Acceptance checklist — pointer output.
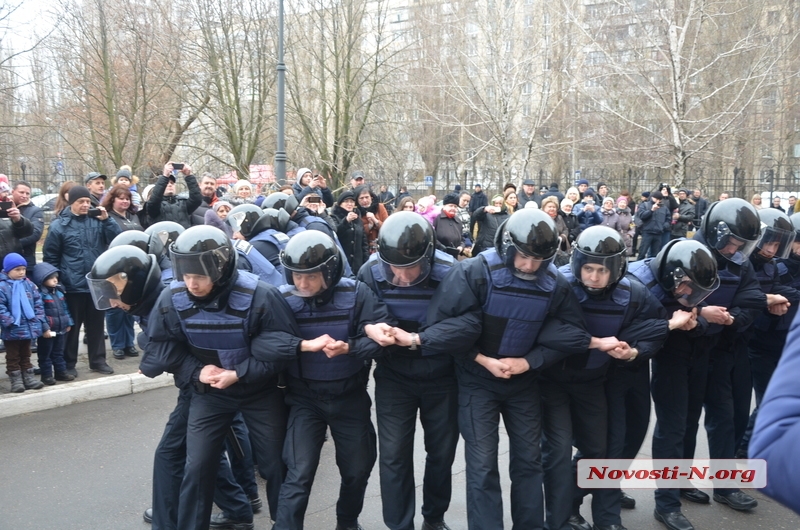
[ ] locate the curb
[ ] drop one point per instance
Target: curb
(81, 391)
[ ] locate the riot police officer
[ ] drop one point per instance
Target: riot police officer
(405, 273)
(327, 372)
(271, 233)
(210, 322)
(244, 219)
(504, 315)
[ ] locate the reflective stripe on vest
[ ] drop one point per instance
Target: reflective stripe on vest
(334, 318)
(514, 309)
(218, 337)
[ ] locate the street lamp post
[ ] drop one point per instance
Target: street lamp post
(280, 152)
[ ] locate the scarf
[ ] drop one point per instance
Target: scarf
(20, 304)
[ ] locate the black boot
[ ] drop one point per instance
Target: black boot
(16, 382)
(29, 380)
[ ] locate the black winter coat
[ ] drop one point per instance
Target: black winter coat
(352, 237)
(173, 208)
(11, 235)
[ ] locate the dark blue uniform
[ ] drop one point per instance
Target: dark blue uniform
(480, 307)
(329, 392)
(407, 381)
(223, 331)
(576, 410)
(270, 242)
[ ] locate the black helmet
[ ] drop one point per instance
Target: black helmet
(149, 243)
(777, 235)
(167, 231)
(291, 204)
(687, 269)
(406, 240)
(124, 274)
(731, 228)
(243, 218)
(272, 218)
(275, 200)
(206, 251)
(531, 232)
(599, 245)
(313, 251)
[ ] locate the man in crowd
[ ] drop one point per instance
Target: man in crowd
(528, 193)
(208, 190)
(21, 195)
(683, 216)
(164, 205)
(655, 221)
(96, 184)
(74, 242)
(403, 193)
(387, 198)
(14, 227)
(792, 202)
(724, 196)
(582, 185)
(478, 199)
(700, 206)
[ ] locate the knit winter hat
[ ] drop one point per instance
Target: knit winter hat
(450, 198)
(12, 261)
(78, 192)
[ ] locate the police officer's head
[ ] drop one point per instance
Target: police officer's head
(777, 235)
(731, 229)
(687, 269)
(405, 248)
(271, 219)
(243, 219)
(203, 257)
(312, 263)
(123, 277)
(795, 253)
(167, 231)
(275, 200)
(149, 243)
(527, 242)
(598, 259)
(291, 205)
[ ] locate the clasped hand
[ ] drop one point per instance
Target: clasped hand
(218, 377)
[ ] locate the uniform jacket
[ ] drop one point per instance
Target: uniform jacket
(26, 329)
(73, 244)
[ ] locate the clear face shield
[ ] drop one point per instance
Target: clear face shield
(236, 220)
(107, 293)
(731, 247)
(596, 273)
(687, 292)
(211, 263)
(522, 265)
(407, 275)
(775, 243)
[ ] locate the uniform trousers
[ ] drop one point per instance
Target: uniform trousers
(397, 399)
(344, 406)
(211, 414)
(481, 402)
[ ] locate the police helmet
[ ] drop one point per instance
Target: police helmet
(406, 241)
(777, 235)
(291, 204)
(124, 273)
(149, 243)
(313, 251)
(604, 246)
(206, 251)
(687, 269)
(272, 218)
(530, 232)
(275, 200)
(243, 219)
(167, 231)
(731, 228)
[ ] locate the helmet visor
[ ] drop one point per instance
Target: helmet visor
(236, 220)
(107, 293)
(730, 247)
(406, 275)
(211, 263)
(597, 272)
(687, 292)
(775, 243)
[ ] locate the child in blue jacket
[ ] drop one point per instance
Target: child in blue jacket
(22, 320)
(51, 346)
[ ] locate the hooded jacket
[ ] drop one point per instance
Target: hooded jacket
(351, 233)
(55, 304)
(301, 191)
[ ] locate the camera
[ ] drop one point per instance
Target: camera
(177, 167)
(314, 198)
(4, 207)
(94, 212)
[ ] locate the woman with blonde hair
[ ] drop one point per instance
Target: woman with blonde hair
(510, 200)
(756, 201)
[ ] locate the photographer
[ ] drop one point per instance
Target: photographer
(312, 183)
(656, 221)
(13, 226)
(164, 205)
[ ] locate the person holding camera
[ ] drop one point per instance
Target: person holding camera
(656, 220)
(308, 182)
(75, 240)
(13, 225)
(165, 205)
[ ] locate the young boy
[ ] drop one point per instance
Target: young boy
(51, 343)
(22, 320)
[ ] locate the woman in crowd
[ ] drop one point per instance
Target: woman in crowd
(626, 223)
(372, 213)
(350, 230)
(448, 229)
(406, 205)
(510, 199)
(243, 192)
(589, 214)
(756, 200)
(575, 196)
(610, 216)
(550, 207)
(570, 220)
(126, 177)
(463, 215)
(118, 201)
(63, 199)
(216, 215)
(487, 219)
